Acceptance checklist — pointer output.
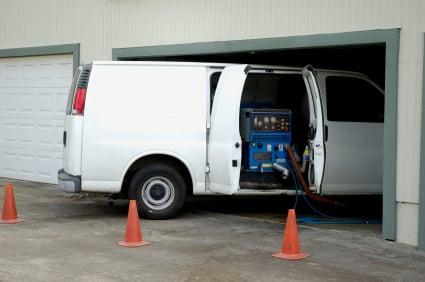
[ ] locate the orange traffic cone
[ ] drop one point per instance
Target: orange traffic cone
(133, 232)
(291, 243)
(9, 214)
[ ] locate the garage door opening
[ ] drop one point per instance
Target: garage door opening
(33, 93)
(361, 103)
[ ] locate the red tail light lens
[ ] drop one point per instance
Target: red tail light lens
(79, 101)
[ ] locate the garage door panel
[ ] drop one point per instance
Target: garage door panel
(10, 102)
(28, 102)
(47, 168)
(41, 71)
(27, 132)
(8, 162)
(49, 135)
(32, 165)
(64, 71)
(61, 97)
(9, 133)
(28, 70)
(26, 164)
(33, 95)
(45, 103)
(51, 102)
(22, 133)
(11, 73)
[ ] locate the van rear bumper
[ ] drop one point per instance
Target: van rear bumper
(69, 183)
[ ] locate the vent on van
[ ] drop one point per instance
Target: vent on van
(83, 80)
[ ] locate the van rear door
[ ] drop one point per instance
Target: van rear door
(73, 130)
(224, 141)
(317, 135)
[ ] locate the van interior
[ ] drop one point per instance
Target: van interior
(268, 96)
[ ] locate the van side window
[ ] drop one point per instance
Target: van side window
(213, 86)
(353, 99)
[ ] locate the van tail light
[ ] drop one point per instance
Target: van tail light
(78, 91)
(79, 101)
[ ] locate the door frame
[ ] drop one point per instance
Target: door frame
(73, 49)
(421, 217)
(389, 37)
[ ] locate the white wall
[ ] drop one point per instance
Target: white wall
(100, 25)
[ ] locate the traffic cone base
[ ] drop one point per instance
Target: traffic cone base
(134, 244)
(10, 221)
(290, 257)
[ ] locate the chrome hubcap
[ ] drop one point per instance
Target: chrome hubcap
(158, 193)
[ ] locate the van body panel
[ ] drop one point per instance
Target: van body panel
(133, 109)
(199, 186)
(354, 150)
(101, 186)
(354, 158)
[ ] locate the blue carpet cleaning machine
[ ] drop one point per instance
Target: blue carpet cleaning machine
(266, 132)
(267, 137)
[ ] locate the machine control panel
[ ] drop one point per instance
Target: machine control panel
(271, 122)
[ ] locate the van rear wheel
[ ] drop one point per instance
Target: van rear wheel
(159, 190)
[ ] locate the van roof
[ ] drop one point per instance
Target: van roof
(220, 65)
(160, 63)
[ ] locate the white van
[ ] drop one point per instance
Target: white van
(159, 131)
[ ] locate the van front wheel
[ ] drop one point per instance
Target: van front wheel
(160, 191)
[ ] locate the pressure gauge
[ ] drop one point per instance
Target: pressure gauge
(273, 119)
(266, 119)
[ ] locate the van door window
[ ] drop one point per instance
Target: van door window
(213, 86)
(353, 99)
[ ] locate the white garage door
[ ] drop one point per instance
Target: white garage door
(33, 92)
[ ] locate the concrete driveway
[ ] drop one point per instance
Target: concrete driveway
(75, 238)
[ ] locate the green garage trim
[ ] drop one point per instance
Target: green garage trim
(263, 44)
(421, 235)
(390, 37)
(73, 49)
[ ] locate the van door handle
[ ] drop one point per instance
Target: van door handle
(326, 133)
(237, 145)
(64, 139)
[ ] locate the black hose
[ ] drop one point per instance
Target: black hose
(303, 182)
(297, 186)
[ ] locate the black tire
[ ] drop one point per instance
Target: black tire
(159, 189)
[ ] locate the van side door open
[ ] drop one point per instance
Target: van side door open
(317, 136)
(224, 141)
